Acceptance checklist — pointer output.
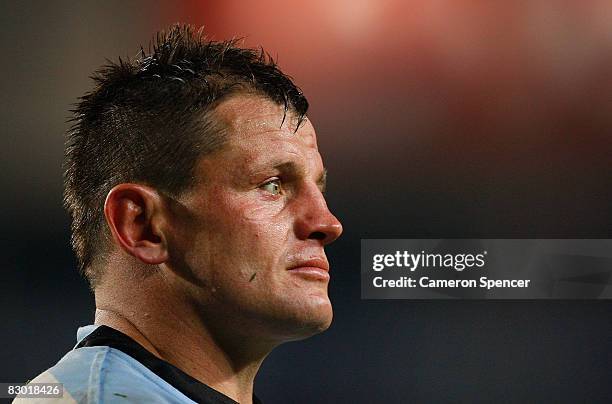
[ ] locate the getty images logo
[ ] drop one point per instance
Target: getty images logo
(410, 261)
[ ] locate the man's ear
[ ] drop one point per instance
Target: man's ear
(136, 216)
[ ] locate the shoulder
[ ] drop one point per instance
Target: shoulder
(105, 375)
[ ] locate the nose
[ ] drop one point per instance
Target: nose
(315, 221)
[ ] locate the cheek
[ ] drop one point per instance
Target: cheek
(248, 229)
(254, 214)
(261, 228)
(247, 245)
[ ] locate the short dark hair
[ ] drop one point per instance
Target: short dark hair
(150, 119)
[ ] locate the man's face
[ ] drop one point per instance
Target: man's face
(251, 231)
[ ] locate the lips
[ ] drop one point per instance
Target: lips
(315, 269)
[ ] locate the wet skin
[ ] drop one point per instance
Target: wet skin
(248, 238)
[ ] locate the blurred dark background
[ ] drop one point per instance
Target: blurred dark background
(436, 119)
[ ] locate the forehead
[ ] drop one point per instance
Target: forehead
(255, 121)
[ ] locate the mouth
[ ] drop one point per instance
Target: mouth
(314, 269)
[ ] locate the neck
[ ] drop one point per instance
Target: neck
(171, 331)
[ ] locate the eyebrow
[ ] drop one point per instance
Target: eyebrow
(322, 181)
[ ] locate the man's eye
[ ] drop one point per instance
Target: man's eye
(272, 186)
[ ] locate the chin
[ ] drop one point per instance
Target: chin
(318, 320)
